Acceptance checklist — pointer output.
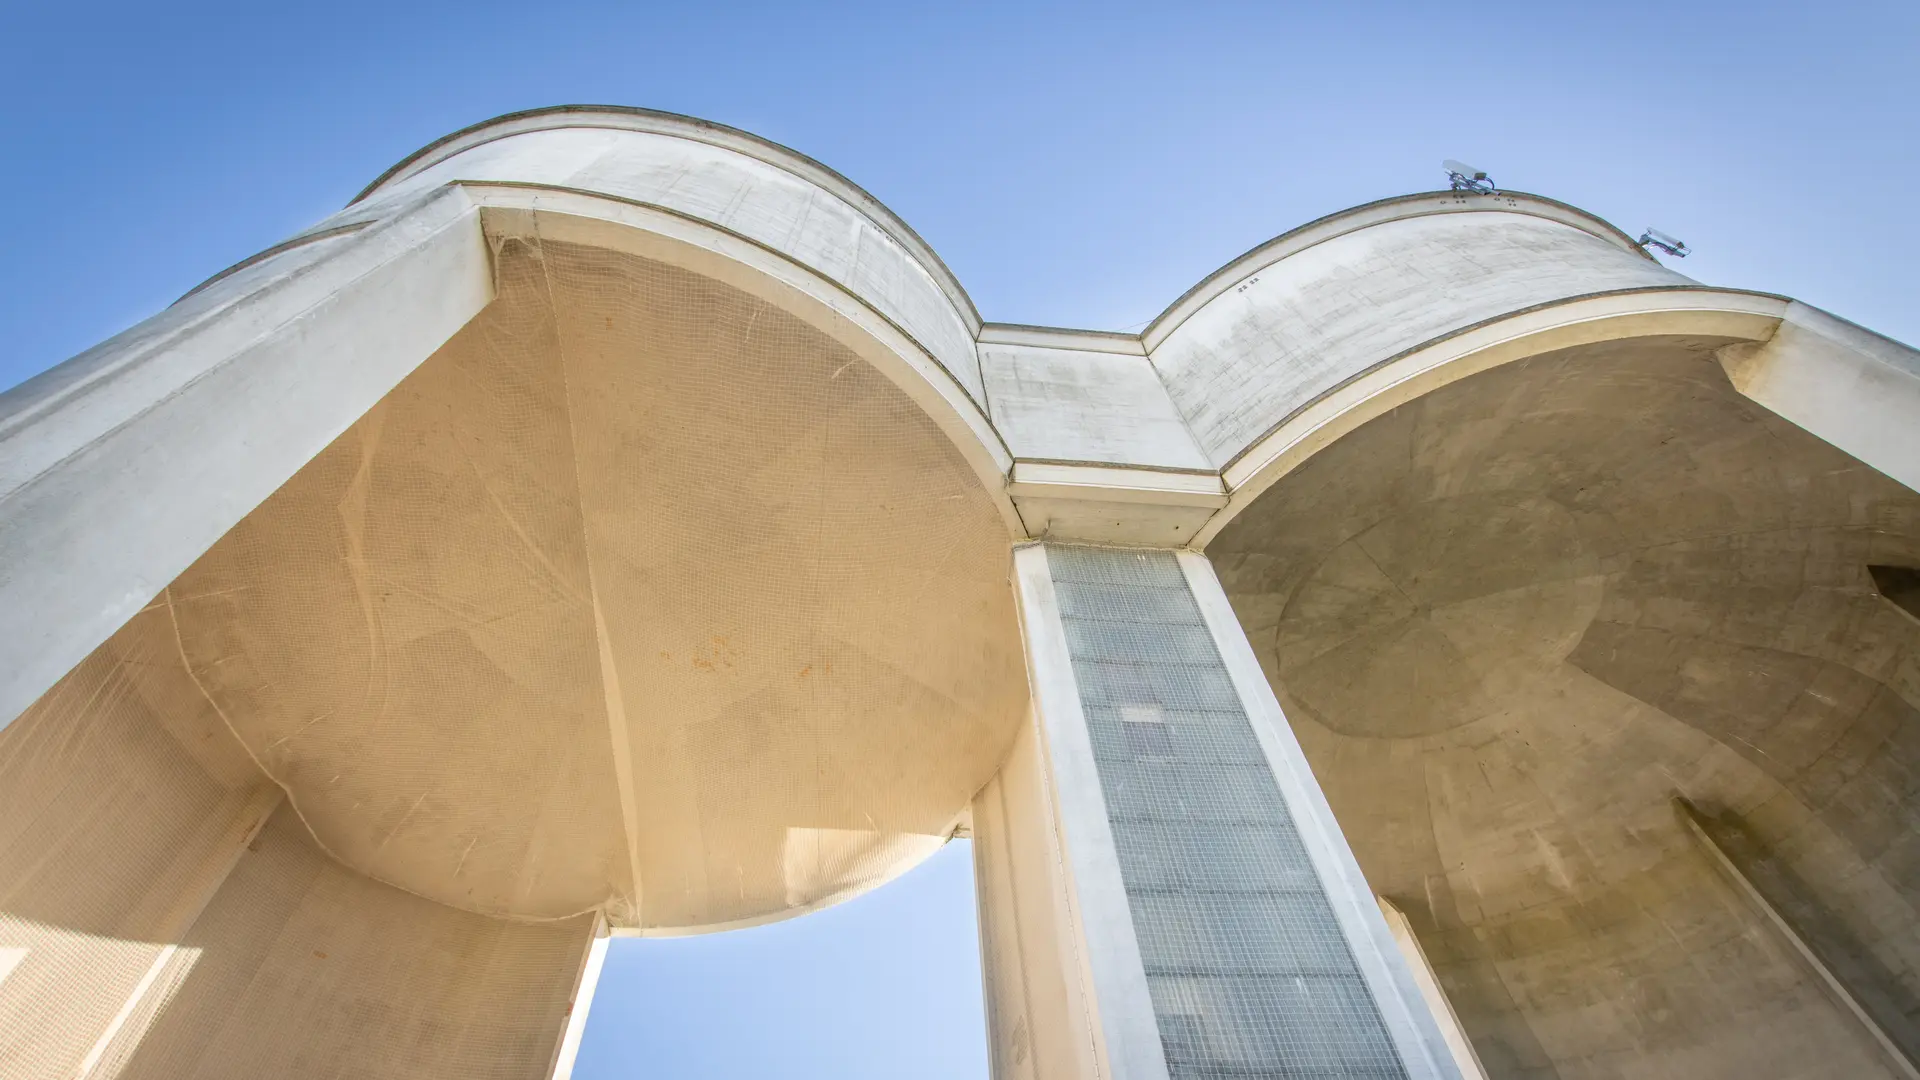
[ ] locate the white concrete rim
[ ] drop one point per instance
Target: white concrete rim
(654, 121)
(296, 241)
(1702, 312)
(657, 122)
(652, 232)
(1400, 207)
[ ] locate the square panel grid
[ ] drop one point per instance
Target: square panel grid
(1249, 972)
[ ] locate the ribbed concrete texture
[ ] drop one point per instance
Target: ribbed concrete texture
(613, 522)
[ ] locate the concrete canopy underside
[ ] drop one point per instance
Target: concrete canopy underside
(1510, 621)
(615, 603)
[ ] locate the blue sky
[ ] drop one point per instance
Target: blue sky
(885, 986)
(1074, 165)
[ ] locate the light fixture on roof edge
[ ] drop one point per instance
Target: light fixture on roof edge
(1673, 246)
(1464, 177)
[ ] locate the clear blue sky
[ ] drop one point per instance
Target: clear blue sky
(1074, 165)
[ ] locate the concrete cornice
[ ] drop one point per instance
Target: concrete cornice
(1057, 337)
(1398, 208)
(656, 122)
(652, 121)
(1069, 490)
(1699, 312)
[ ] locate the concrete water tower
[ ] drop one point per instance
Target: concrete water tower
(1441, 644)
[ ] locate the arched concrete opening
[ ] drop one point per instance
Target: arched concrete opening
(1510, 619)
(656, 597)
(1368, 387)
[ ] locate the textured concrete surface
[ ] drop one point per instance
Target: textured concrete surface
(1076, 405)
(1512, 619)
(617, 601)
(771, 196)
(1299, 327)
(155, 939)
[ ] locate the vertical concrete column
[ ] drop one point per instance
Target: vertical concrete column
(592, 961)
(123, 465)
(1216, 920)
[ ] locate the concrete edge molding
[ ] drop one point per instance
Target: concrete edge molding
(595, 220)
(1380, 212)
(1083, 507)
(1708, 313)
(655, 121)
(1465, 1057)
(593, 961)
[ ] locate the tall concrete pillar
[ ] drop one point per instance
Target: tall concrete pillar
(1844, 383)
(1160, 839)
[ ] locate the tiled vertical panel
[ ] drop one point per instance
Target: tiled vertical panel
(1249, 972)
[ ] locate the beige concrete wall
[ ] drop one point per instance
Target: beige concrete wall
(150, 926)
(302, 968)
(1510, 620)
(1300, 327)
(117, 790)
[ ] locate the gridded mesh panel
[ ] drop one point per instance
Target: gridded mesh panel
(1249, 972)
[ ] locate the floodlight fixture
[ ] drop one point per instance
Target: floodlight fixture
(1671, 245)
(1465, 177)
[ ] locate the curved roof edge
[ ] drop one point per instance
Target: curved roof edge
(657, 122)
(1738, 314)
(1061, 337)
(1379, 212)
(1320, 230)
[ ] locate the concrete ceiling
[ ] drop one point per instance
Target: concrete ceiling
(639, 592)
(1512, 619)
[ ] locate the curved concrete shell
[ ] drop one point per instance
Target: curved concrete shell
(1514, 619)
(613, 522)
